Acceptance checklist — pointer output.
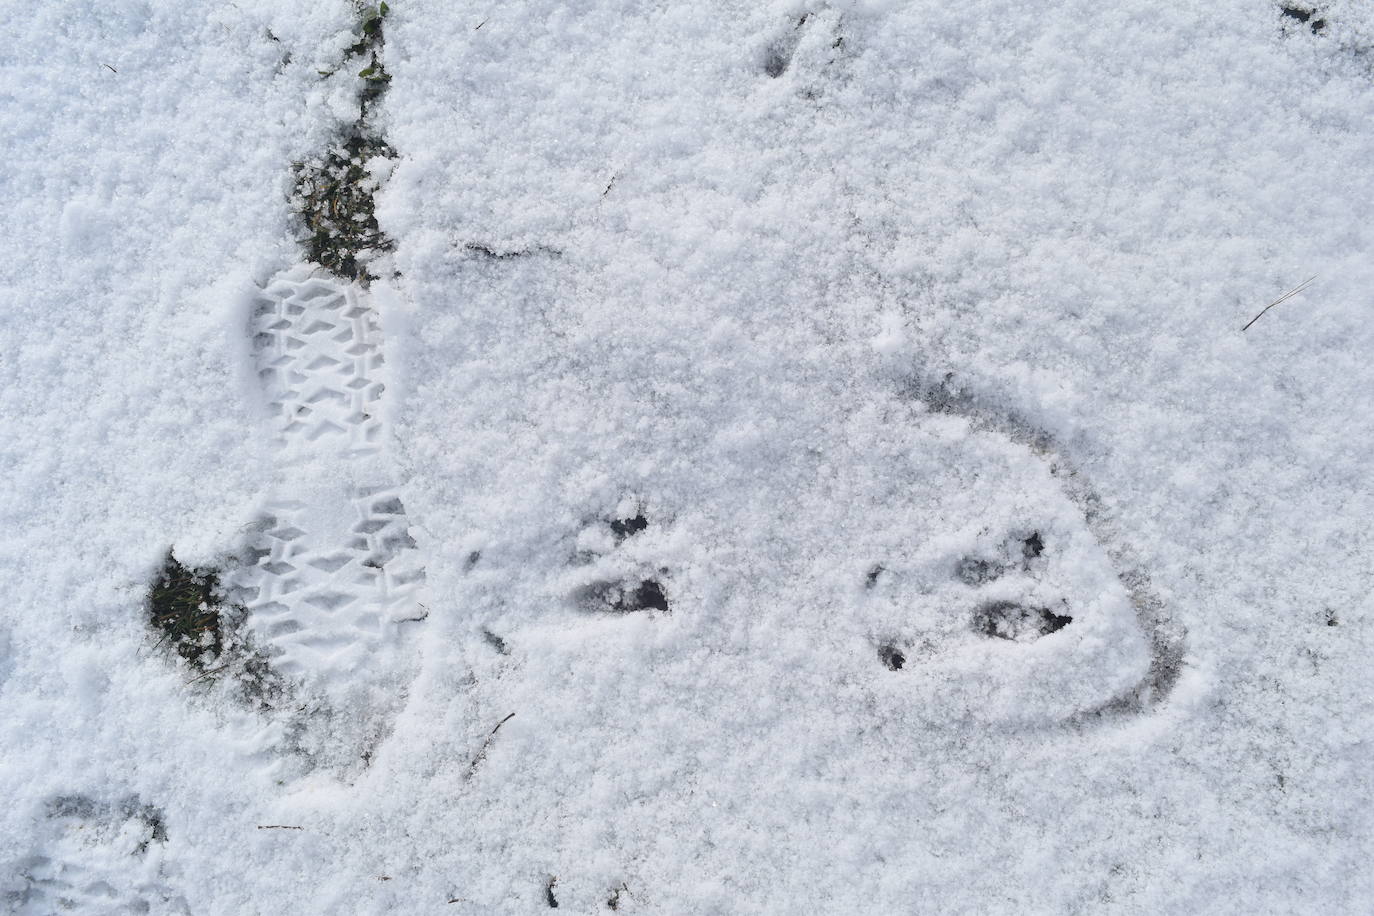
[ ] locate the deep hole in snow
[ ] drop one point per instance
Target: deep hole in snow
(623, 528)
(648, 596)
(892, 657)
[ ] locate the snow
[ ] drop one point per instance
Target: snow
(849, 303)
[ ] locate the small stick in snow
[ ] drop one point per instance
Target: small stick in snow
(208, 674)
(108, 67)
(1284, 298)
(423, 616)
(482, 754)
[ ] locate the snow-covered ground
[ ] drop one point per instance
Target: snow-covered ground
(798, 458)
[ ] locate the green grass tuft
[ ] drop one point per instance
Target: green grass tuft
(184, 604)
(333, 193)
(189, 609)
(334, 199)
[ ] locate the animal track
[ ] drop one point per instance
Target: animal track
(333, 568)
(1016, 622)
(1003, 619)
(892, 657)
(623, 528)
(778, 55)
(617, 581)
(1019, 622)
(814, 35)
(625, 597)
(95, 857)
(1306, 16)
(976, 571)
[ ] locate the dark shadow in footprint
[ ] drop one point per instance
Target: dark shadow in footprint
(89, 810)
(623, 528)
(974, 571)
(1017, 622)
(1309, 17)
(624, 597)
(778, 55)
(496, 642)
(892, 657)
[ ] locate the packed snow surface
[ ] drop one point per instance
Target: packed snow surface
(794, 458)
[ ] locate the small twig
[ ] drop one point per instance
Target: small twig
(1284, 298)
(475, 28)
(482, 754)
(108, 67)
(424, 616)
(208, 673)
(493, 254)
(278, 827)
